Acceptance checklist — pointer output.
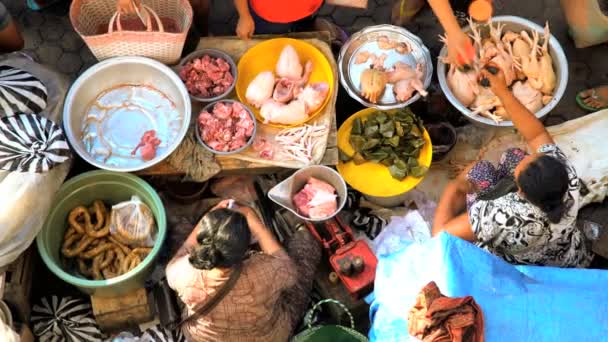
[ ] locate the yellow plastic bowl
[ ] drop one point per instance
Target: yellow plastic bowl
(264, 57)
(374, 179)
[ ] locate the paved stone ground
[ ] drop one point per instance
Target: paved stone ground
(51, 39)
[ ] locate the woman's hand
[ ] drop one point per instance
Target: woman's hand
(496, 77)
(460, 49)
(128, 6)
(245, 27)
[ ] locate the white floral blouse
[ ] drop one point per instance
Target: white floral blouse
(519, 232)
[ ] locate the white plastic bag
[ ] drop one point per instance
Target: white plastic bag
(400, 232)
(132, 223)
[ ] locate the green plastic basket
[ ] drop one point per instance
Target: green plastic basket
(112, 188)
(329, 333)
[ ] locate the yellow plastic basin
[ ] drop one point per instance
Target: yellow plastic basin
(371, 178)
(264, 57)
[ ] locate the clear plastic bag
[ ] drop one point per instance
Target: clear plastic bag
(132, 223)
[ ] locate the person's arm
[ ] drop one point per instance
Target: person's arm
(245, 26)
(459, 44)
(528, 125)
(10, 37)
(448, 215)
(268, 243)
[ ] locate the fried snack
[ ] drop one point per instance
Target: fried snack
(84, 269)
(102, 247)
(126, 250)
(97, 267)
(100, 214)
(75, 214)
(98, 255)
(108, 258)
(83, 243)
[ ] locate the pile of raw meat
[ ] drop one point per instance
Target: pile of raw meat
(526, 63)
(287, 99)
(207, 76)
(228, 127)
(317, 200)
(405, 79)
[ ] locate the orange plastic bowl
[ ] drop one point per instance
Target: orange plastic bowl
(264, 57)
(374, 179)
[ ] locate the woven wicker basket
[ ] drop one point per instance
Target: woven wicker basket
(87, 15)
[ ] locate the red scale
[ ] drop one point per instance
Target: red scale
(338, 240)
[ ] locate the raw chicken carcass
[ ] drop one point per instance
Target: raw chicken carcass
(373, 84)
(530, 65)
(528, 96)
(404, 89)
(260, 89)
(485, 101)
(313, 96)
(289, 65)
(400, 71)
(378, 61)
(317, 200)
(463, 85)
(287, 114)
(503, 58)
(547, 74)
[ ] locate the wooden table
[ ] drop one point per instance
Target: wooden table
(232, 166)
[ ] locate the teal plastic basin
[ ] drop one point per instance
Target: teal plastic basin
(112, 188)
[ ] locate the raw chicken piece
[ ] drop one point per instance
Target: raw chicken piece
(547, 74)
(463, 85)
(547, 99)
(289, 65)
(528, 96)
(384, 43)
(264, 148)
(148, 144)
(313, 96)
(403, 48)
(260, 89)
(405, 88)
(378, 61)
(284, 90)
(503, 58)
(286, 114)
(317, 200)
(530, 64)
(363, 56)
(373, 83)
(485, 101)
(400, 71)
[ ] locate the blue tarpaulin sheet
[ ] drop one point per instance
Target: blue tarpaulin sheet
(519, 303)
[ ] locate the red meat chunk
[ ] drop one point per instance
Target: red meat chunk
(207, 76)
(227, 128)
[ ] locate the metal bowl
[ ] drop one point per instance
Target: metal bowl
(117, 71)
(215, 54)
(208, 108)
(365, 39)
(515, 24)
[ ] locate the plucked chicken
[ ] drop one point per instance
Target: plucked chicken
(289, 65)
(260, 89)
(527, 66)
(404, 88)
(291, 113)
(373, 84)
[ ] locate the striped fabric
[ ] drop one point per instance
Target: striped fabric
(64, 320)
(160, 334)
(31, 143)
(20, 92)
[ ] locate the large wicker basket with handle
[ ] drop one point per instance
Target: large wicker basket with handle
(88, 16)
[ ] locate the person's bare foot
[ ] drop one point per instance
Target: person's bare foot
(596, 98)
